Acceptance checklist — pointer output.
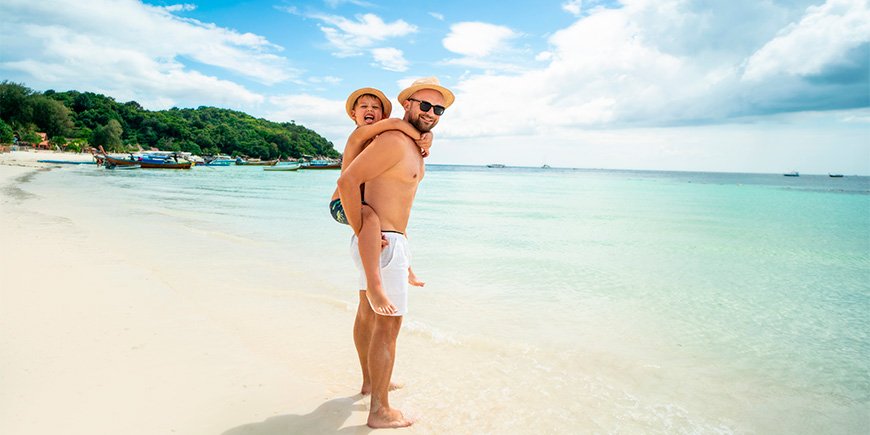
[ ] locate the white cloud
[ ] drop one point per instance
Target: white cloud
(543, 56)
(331, 80)
(620, 68)
(186, 7)
(292, 10)
(573, 7)
(824, 35)
(476, 39)
(437, 16)
(350, 38)
(131, 50)
(390, 59)
(336, 3)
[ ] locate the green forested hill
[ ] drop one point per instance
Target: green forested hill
(100, 120)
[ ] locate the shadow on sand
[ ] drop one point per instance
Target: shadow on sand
(328, 418)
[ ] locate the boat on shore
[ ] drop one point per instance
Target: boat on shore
(150, 159)
(148, 163)
(123, 167)
(144, 161)
(290, 166)
(792, 174)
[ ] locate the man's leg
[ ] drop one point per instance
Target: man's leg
(382, 356)
(362, 336)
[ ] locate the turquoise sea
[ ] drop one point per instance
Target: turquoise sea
(615, 301)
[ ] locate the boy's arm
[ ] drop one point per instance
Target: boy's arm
(364, 133)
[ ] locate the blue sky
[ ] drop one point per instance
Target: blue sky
(738, 86)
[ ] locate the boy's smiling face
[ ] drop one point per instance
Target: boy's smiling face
(367, 110)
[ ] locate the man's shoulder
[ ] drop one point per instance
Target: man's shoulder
(391, 138)
(394, 135)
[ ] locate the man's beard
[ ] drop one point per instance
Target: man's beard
(421, 125)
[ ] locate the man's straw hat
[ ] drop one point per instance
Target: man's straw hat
(427, 83)
(351, 100)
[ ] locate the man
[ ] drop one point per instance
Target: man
(391, 168)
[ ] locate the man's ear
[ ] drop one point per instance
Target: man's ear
(406, 105)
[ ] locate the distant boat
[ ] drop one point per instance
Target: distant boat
(495, 165)
(292, 166)
(545, 167)
(792, 174)
(256, 162)
(219, 161)
(835, 175)
(321, 164)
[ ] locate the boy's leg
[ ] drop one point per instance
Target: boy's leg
(370, 254)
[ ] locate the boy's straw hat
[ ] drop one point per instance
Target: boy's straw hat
(351, 100)
(427, 83)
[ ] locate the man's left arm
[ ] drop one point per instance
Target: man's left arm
(382, 154)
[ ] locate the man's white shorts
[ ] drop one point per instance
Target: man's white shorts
(395, 259)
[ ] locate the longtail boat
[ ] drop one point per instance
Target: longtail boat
(154, 159)
(241, 162)
(145, 162)
(321, 164)
(292, 166)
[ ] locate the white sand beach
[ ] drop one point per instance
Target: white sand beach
(97, 338)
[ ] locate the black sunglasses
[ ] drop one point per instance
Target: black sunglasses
(425, 106)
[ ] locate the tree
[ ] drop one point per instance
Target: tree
(58, 141)
(108, 136)
(6, 133)
(106, 122)
(51, 116)
(15, 104)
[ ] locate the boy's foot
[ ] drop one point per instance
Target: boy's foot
(388, 417)
(380, 302)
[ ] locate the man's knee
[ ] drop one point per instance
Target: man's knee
(364, 308)
(389, 323)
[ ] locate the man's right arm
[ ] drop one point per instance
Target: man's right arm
(382, 154)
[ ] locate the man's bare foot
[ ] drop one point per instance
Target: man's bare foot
(388, 417)
(380, 302)
(367, 388)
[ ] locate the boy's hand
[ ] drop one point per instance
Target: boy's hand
(424, 143)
